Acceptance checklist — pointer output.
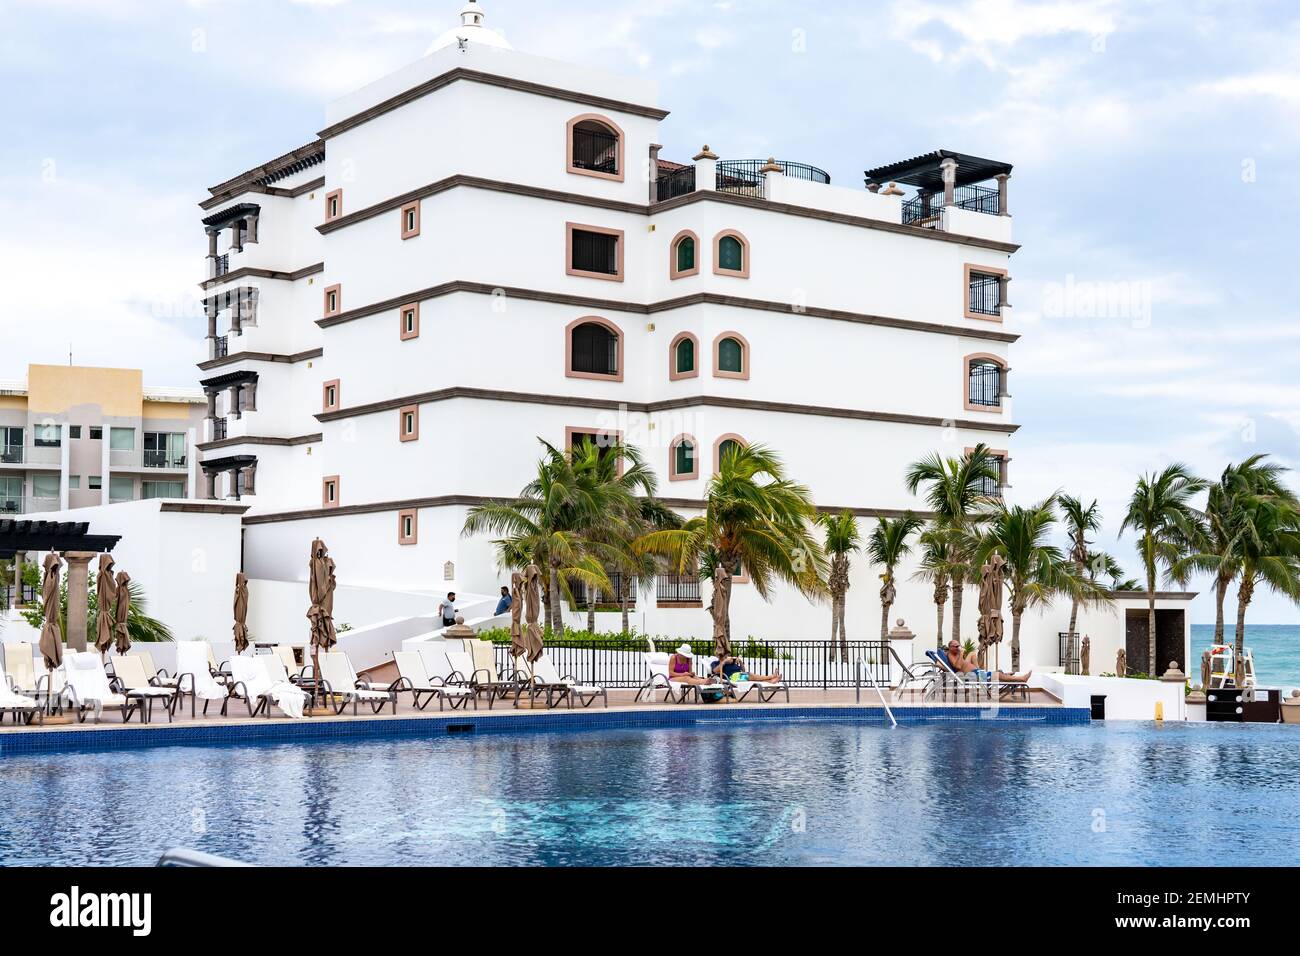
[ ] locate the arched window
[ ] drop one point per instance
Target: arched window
(684, 251)
(985, 382)
(595, 147)
(731, 254)
(683, 462)
(730, 356)
(683, 360)
(723, 446)
(594, 349)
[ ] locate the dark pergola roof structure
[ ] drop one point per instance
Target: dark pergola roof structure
(218, 382)
(229, 463)
(217, 220)
(924, 172)
(21, 536)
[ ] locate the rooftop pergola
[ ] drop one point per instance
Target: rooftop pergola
(942, 171)
(78, 547)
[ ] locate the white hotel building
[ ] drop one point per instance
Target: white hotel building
(486, 247)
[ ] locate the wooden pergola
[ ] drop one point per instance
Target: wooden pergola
(78, 547)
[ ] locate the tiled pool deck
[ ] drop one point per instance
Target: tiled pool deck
(805, 705)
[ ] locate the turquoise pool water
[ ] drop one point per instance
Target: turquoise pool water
(805, 793)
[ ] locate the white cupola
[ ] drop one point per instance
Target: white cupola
(471, 30)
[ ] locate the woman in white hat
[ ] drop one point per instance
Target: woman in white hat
(679, 667)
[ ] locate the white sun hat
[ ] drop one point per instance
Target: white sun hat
(685, 650)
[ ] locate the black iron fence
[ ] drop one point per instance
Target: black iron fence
(674, 183)
(219, 429)
(977, 199)
(221, 346)
(30, 593)
(984, 384)
(677, 589)
(1070, 652)
(222, 265)
(620, 662)
(743, 177)
(926, 209)
(602, 597)
(595, 150)
(985, 294)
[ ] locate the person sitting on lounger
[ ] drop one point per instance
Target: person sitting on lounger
(732, 668)
(679, 667)
(965, 664)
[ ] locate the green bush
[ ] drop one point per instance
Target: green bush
(639, 642)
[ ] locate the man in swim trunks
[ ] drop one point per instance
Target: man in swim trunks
(733, 669)
(965, 664)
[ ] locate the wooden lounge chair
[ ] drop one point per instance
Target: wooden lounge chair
(339, 680)
(413, 678)
(129, 678)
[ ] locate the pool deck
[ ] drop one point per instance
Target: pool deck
(805, 704)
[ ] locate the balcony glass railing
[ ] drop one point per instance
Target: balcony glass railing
(11, 454)
(162, 459)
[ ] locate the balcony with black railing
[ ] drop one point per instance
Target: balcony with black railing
(926, 210)
(163, 459)
(602, 598)
(221, 266)
(677, 589)
(675, 182)
(739, 177)
(220, 346)
(220, 429)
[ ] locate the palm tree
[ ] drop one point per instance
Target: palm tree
(937, 567)
(955, 494)
(755, 518)
(1080, 521)
(653, 515)
(1226, 526)
(842, 540)
(888, 546)
(1160, 512)
(1036, 569)
(567, 519)
(1269, 553)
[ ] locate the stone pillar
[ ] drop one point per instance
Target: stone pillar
(1175, 676)
(250, 396)
(78, 572)
(706, 171)
(235, 244)
(900, 640)
(210, 308)
(250, 480)
(212, 404)
(234, 401)
(949, 170)
(1002, 194)
(212, 244)
(772, 175)
(209, 486)
(873, 187)
(252, 229)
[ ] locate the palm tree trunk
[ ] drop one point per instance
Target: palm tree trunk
(1220, 594)
(1151, 624)
(939, 623)
(844, 631)
(625, 588)
(591, 611)
(1245, 592)
(958, 586)
(1015, 640)
(553, 590)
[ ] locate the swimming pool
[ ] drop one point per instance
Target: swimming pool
(806, 793)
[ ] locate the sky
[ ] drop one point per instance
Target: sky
(1155, 189)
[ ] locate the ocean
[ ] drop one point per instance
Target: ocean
(1275, 647)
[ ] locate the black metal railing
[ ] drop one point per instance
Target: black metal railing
(984, 384)
(595, 252)
(742, 177)
(29, 591)
(984, 294)
(674, 183)
(620, 662)
(1070, 651)
(677, 589)
(219, 429)
(980, 199)
(221, 346)
(992, 487)
(161, 459)
(926, 209)
(923, 211)
(11, 454)
(595, 150)
(604, 598)
(11, 505)
(222, 265)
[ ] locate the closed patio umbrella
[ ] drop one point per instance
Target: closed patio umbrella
(105, 598)
(517, 647)
(120, 629)
(241, 613)
(990, 605)
(320, 587)
(51, 602)
(532, 637)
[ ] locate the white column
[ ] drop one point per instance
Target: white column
(773, 176)
(948, 168)
(105, 471)
(65, 457)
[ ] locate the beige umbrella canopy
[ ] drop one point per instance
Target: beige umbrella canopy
(532, 637)
(241, 613)
(517, 647)
(123, 612)
(105, 598)
(51, 602)
(990, 605)
(320, 586)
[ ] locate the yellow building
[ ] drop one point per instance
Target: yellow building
(72, 436)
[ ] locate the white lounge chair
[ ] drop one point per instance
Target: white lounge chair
(88, 687)
(129, 678)
(946, 677)
(23, 708)
(284, 653)
(676, 691)
(21, 668)
(157, 675)
(193, 677)
(249, 682)
(413, 678)
(339, 680)
(545, 679)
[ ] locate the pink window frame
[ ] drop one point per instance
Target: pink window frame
(568, 349)
(746, 356)
(673, 473)
(717, 254)
(570, 228)
(673, 272)
(614, 128)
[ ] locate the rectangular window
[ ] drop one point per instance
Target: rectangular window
(95, 482)
(121, 488)
(595, 252)
(46, 436)
(333, 205)
(162, 489)
(74, 431)
(121, 439)
(96, 433)
(411, 220)
(74, 482)
(164, 449)
(11, 446)
(330, 395)
(11, 495)
(409, 423)
(409, 316)
(333, 300)
(408, 527)
(45, 486)
(985, 292)
(330, 492)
